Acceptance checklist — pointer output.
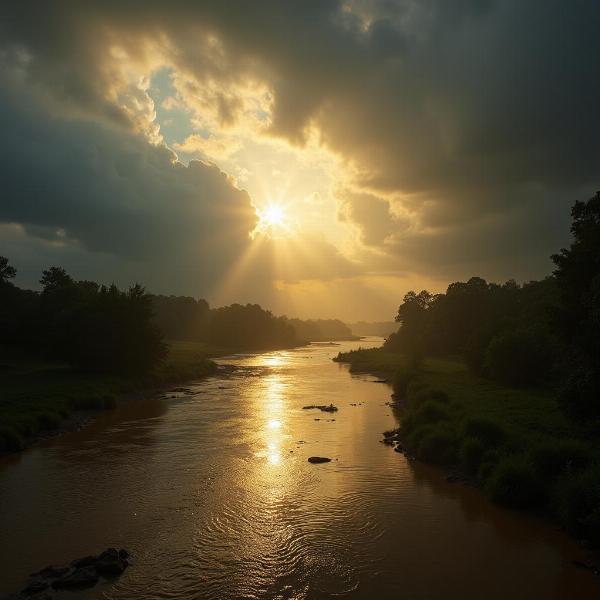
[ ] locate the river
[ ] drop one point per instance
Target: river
(212, 493)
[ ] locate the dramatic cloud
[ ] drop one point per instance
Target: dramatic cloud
(464, 130)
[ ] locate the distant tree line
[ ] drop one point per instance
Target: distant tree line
(103, 329)
(239, 326)
(89, 326)
(321, 330)
(538, 332)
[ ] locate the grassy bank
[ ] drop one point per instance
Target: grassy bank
(39, 397)
(513, 443)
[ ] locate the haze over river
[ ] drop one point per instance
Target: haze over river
(213, 495)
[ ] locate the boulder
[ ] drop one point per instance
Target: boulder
(86, 561)
(51, 572)
(35, 587)
(110, 563)
(79, 578)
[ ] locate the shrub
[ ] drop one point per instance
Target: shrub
(47, 420)
(438, 447)
(87, 403)
(519, 357)
(515, 483)
(488, 463)
(576, 501)
(424, 395)
(430, 412)
(402, 377)
(415, 386)
(414, 436)
(580, 390)
(551, 459)
(471, 454)
(439, 396)
(10, 440)
(109, 401)
(488, 432)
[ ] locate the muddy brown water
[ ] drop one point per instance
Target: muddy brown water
(214, 496)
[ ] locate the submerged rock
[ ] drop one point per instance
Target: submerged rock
(110, 563)
(318, 459)
(35, 587)
(51, 572)
(82, 573)
(79, 578)
(323, 407)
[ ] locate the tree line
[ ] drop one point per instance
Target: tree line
(101, 328)
(538, 332)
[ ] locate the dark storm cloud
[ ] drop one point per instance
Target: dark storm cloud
(112, 192)
(478, 113)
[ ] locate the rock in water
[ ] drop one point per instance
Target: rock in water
(318, 459)
(51, 572)
(35, 587)
(86, 561)
(80, 578)
(110, 563)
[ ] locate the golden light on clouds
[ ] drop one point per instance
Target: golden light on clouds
(273, 221)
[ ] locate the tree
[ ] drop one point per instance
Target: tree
(578, 318)
(55, 278)
(6, 271)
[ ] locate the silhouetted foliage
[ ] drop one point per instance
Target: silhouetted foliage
(181, 317)
(578, 319)
(320, 330)
(89, 326)
(474, 316)
(249, 327)
(520, 356)
(6, 270)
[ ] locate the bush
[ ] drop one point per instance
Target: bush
(515, 483)
(414, 387)
(10, 440)
(471, 454)
(438, 447)
(47, 421)
(424, 395)
(87, 403)
(402, 377)
(415, 435)
(109, 401)
(552, 459)
(577, 503)
(519, 357)
(430, 412)
(490, 433)
(580, 390)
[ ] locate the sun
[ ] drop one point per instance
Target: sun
(274, 215)
(272, 221)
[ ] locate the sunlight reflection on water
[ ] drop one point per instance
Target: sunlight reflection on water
(226, 505)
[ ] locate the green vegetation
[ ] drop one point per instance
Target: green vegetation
(515, 443)
(37, 396)
(523, 419)
(239, 326)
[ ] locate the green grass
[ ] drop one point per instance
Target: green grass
(515, 443)
(36, 396)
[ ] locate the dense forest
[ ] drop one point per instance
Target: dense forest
(501, 382)
(239, 326)
(542, 331)
(103, 329)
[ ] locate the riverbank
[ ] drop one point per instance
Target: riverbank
(40, 399)
(514, 444)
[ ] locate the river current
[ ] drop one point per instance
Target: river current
(212, 493)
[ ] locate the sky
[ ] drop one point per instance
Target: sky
(319, 157)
